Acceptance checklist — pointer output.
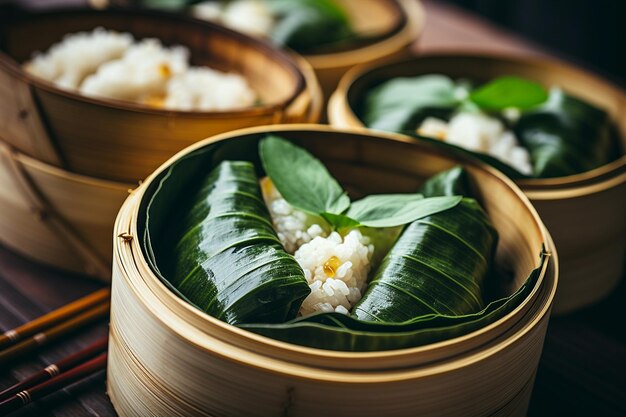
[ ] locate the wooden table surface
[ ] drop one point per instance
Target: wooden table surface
(582, 370)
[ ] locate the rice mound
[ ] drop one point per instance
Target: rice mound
(480, 133)
(108, 64)
(187, 91)
(336, 269)
(69, 62)
(142, 73)
(249, 16)
(293, 227)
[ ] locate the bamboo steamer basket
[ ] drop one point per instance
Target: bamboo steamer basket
(125, 141)
(55, 217)
(399, 22)
(585, 213)
(167, 358)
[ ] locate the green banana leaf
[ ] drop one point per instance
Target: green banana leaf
(307, 25)
(336, 331)
(437, 266)
(454, 181)
(177, 190)
(354, 333)
(402, 103)
(244, 275)
(566, 136)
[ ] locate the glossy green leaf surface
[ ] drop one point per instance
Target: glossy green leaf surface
(566, 136)
(391, 210)
(307, 25)
(437, 266)
(302, 180)
(228, 260)
(339, 332)
(454, 181)
(509, 91)
(402, 103)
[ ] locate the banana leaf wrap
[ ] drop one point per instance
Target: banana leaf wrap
(307, 25)
(228, 260)
(348, 333)
(437, 266)
(564, 135)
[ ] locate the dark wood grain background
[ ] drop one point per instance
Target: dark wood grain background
(582, 370)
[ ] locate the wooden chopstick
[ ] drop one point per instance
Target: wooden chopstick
(60, 381)
(13, 336)
(55, 332)
(57, 368)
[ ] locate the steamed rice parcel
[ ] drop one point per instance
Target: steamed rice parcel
(112, 65)
(273, 244)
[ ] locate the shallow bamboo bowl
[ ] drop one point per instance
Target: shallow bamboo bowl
(56, 217)
(585, 213)
(398, 24)
(167, 358)
(125, 141)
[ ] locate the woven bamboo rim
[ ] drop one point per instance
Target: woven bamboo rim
(43, 195)
(132, 259)
(167, 358)
(564, 203)
(38, 120)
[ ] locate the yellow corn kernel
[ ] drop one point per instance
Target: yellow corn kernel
(331, 265)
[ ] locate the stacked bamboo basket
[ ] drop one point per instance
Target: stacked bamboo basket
(168, 358)
(67, 161)
(398, 23)
(585, 213)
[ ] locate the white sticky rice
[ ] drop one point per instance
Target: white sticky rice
(293, 227)
(336, 269)
(68, 63)
(108, 64)
(142, 73)
(335, 266)
(187, 91)
(481, 133)
(248, 16)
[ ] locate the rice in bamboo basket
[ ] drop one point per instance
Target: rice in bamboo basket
(57, 217)
(584, 212)
(167, 358)
(124, 141)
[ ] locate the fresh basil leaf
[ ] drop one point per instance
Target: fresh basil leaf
(509, 91)
(403, 102)
(390, 210)
(340, 221)
(302, 180)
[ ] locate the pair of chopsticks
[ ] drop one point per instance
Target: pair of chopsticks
(46, 329)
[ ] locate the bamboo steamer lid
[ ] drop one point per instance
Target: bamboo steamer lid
(125, 141)
(567, 204)
(168, 358)
(399, 21)
(56, 217)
